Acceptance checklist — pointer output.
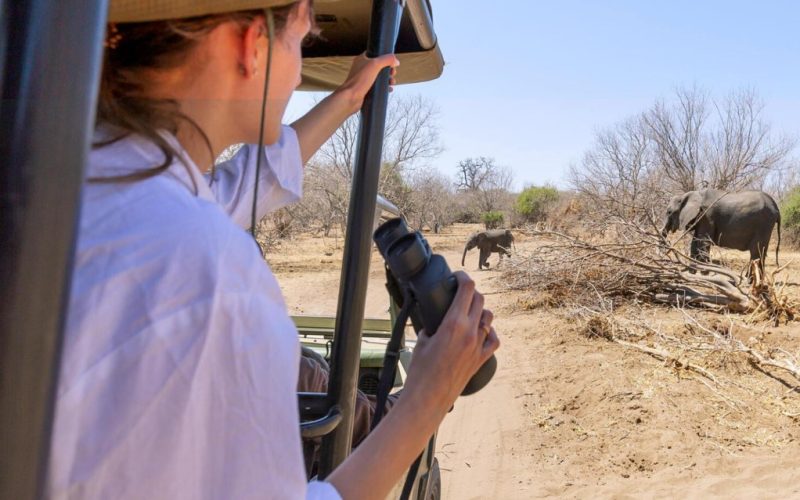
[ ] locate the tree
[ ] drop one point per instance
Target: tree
(689, 143)
(534, 202)
(743, 151)
(432, 200)
(492, 219)
(676, 134)
(790, 215)
(486, 183)
(620, 174)
(411, 139)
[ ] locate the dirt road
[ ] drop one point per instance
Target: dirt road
(570, 417)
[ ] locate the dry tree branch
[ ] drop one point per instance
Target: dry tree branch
(632, 261)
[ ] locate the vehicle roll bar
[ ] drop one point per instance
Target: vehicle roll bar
(345, 354)
(421, 19)
(51, 54)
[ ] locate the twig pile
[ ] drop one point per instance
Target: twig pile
(772, 301)
(641, 266)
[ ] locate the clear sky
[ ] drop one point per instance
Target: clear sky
(528, 81)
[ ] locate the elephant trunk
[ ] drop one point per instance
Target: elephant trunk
(668, 228)
(463, 257)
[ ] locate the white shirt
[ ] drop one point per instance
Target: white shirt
(180, 362)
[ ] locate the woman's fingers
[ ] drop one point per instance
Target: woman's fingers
(476, 309)
(364, 70)
(490, 345)
(464, 294)
(485, 323)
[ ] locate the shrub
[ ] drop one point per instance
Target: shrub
(534, 202)
(790, 216)
(493, 219)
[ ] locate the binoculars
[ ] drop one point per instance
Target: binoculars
(429, 280)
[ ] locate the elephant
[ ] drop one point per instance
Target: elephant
(495, 240)
(741, 221)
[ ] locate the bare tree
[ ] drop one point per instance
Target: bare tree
(412, 132)
(432, 200)
(742, 151)
(486, 183)
(677, 134)
(679, 146)
(620, 173)
(473, 173)
(411, 139)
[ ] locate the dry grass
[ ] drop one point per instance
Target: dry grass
(702, 321)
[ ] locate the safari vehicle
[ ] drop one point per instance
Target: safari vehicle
(47, 122)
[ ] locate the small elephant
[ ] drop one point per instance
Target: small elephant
(741, 221)
(495, 240)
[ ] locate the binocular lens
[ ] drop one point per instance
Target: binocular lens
(407, 256)
(389, 232)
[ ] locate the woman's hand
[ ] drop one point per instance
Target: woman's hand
(443, 363)
(362, 75)
(441, 367)
(316, 126)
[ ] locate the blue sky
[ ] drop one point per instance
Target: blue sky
(528, 82)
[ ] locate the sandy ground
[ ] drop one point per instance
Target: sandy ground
(571, 417)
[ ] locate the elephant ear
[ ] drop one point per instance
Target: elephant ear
(691, 209)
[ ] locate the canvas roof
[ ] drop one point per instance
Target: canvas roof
(345, 28)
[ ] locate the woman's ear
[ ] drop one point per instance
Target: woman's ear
(248, 48)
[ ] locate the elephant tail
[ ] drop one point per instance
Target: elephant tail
(778, 246)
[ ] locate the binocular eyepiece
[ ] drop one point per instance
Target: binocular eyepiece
(429, 279)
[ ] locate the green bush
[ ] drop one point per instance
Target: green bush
(493, 219)
(790, 216)
(534, 202)
(790, 209)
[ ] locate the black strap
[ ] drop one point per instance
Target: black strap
(396, 292)
(259, 159)
(410, 477)
(391, 358)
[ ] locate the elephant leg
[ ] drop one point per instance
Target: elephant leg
(484, 258)
(699, 250)
(693, 251)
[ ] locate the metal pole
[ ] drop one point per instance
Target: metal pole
(50, 77)
(345, 355)
(422, 20)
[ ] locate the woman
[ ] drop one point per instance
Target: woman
(180, 361)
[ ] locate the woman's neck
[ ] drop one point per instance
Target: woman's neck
(198, 144)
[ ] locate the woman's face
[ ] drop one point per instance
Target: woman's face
(285, 72)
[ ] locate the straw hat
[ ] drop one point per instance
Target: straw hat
(134, 11)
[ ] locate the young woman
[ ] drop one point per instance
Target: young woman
(180, 361)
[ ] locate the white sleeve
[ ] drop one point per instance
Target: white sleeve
(280, 179)
(318, 490)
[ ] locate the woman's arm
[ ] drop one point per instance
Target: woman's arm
(316, 126)
(441, 367)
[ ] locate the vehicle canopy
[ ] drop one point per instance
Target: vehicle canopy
(345, 28)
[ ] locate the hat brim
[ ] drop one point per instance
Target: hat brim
(137, 11)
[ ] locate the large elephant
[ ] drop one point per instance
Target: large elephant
(495, 240)
(741, 221)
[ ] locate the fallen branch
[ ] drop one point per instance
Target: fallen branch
(643, 267)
